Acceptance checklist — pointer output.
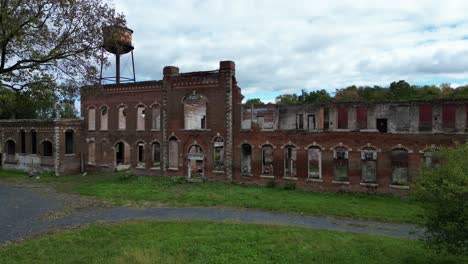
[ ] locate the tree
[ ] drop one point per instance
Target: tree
(401, 91)
(289, 99)
(320, 96)
(254, 101)
(47, 41)
(348, 94)
(443, 191)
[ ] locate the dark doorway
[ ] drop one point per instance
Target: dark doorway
(382, 125)
(119, 153)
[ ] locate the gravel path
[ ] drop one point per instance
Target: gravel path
(28, 210)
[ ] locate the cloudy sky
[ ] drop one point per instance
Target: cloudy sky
(285, 46)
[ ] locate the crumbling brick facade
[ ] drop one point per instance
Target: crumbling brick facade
(195, 125)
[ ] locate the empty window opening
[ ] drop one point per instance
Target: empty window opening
(33, 142)
(195, 112)
(326, 118)
(311, 123)
(267, 160)
(425, 117)
(219, 153)
(47, 148)
(340, 163)
(69, 148)
(381, 125)
(261, 122)
(92, 153)
(246, 159)
(91, 118)
(141, 154)
(22, 142)
(141, 113)
(156, 155)
(361, 116)
(314, 163)
(432, 158)
(369, 165)
(342, 118)
(399, 166)
(195, 162)
(104, 118)
(299, 121)
(290, 156)
(156, 118)
(173, 153)
(11, 147)
(122, 118)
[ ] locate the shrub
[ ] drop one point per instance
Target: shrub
(290, 186)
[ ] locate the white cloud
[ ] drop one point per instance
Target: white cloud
(285, 46)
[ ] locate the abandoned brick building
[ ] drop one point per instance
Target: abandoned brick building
(195, 125)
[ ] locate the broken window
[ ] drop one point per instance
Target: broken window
(260, 121)
(91, 118)
(196, 164)
(311, 123)
(22, 142)
(361, 116)
(141, 154)
(156, 118)
(342, 118)
(267, 160)
(92, 153)
(432, 158)
(69, 142)
(340, 163)
(141, 112)
(173, 153)
(219, 153)
(299, 121)
(425, 117)
(448, 116)
(314, 163)
(10, 147)
(246, 159)
(47, 148)
(368, 165)
(122, 118)
(156, 155)
(290, 156)
(195, 112)
(399, 166)
(33, 142)
(104, 118)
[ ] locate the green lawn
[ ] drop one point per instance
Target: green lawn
(207, 242)
(151, 191)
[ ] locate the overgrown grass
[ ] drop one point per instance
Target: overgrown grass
(207, 242)
(148, 191)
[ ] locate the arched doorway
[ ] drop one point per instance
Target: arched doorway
(122, 153)
(196, 162)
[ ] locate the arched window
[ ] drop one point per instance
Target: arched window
(246, 159)
(315, 162)
(47, 148)
(156, 117)
(69, 145)
(91, 118)
(399, 166)
(141, 113)
(141, 154)
(104, 118)
(156, 155)
(22, 142)
(11, 147)
(340, 163)
(33, 142)
(173, 153)
(218, 153)
(195, 112)
(122, 118)
(195, 162)
(92, 153)
(290, 156)
(432, 158)
(267, 160)
(368, 165)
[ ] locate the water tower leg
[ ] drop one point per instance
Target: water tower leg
(133, 66)
(117, 68)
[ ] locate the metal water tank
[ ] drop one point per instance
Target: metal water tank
(117, 39)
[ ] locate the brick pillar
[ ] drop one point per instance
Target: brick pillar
(168, 71)
(228, 67)
(57, 150)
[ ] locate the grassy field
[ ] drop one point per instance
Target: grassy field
(152, 191)
(207, 242)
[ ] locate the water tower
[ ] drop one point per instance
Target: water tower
(118, 41)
